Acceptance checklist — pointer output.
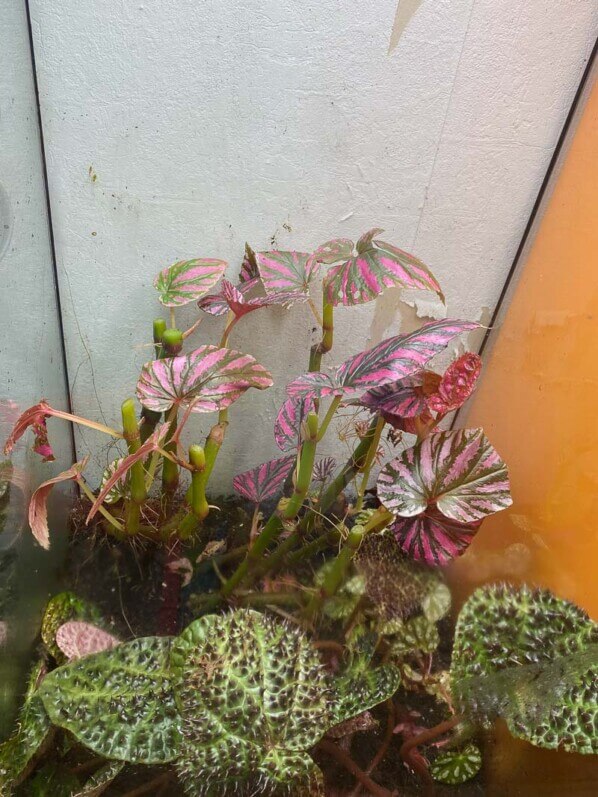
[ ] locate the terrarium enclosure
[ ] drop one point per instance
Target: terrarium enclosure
(298, 482)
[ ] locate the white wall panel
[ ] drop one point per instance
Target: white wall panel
(211, 123)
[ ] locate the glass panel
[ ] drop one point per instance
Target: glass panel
(30, 354)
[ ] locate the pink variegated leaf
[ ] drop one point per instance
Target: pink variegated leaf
(119, 489)
(433, 538)
(457, 384)
(333, 251)
(286, 272)
(187, 280)
(401, 356)
(403, 399)
(118, 475)
(38, 506)
(376, 266)
(249, 271)
(391, 360)
(458, 472)
(207, 379)
(324, 468)
(77, 639)
(234, 298)
(287, 427)
(183, 568)
(265, 481)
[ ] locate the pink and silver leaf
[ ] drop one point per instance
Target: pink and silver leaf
(458, 472)
(400, 356)
(38, 505)
(392, 359)
(324, 468)
(334, 250)
(234, 298)
(432, 538)
(77, 639)
(152, 444)
(119, 489)
(286, 272)
(249, 271)
(287, 426)
(265, 481)
(376, 266)
(456, 385)
(34, 417)
(206, 380)
(187, 280)
(403, 399)
(364, 242)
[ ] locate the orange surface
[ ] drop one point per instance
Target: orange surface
(538, 403)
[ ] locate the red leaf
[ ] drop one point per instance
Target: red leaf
(457, 384)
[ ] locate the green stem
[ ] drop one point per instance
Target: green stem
(159, 328)
(103, 511)
(369, 461)
(287, 509)
(325, 344)
(137, 491)
(337, 571)
(328, 417)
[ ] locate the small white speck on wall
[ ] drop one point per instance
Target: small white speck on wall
(405, 10)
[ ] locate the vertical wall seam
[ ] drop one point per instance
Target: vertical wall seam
(48, 204)
(537, 207)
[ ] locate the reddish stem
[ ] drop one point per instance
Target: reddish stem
(347, 762)
(423, 738)
(390, 724)
(168, 613)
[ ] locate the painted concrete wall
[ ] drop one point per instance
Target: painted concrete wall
(184, 129)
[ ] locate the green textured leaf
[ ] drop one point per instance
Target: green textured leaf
(341, 605)
(437, 601)
(417, 635)
(531, 658)
(101, 779)
(120, 703)
(254, 697)
(395, 584)
(362, 685)
(18, 753)
(61, 609)
(456, 766)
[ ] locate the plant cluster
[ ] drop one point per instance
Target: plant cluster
(239, 698)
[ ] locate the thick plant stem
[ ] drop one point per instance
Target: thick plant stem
(149, 417)
(325, 344)
(199, 504)
(369, 461)
(172, 344)
(337, 571)
(138, 493)
(159, 328)
(424, 738)
(287, 509)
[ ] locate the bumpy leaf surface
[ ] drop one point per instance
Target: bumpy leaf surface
(18, 753)
(456, 385)
(376, 266)
(254, 697)
(77, 639)
(101, 779)
(187, 280)
(392, 359)
(120, 703)
(532, 658)
(209, 379)
(363, 686)
(446, 484)
(265, 481)
(61, 609)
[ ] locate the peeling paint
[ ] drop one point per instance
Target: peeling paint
(405, 11)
